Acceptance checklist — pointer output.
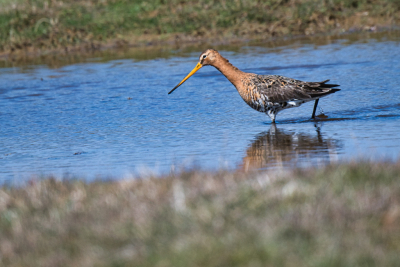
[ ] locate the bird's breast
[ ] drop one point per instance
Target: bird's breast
(252, 96)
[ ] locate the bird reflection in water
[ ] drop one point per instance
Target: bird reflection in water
(280, 148)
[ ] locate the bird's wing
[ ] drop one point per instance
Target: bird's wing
(281, 89)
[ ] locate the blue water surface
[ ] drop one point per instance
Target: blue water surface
(113, 118)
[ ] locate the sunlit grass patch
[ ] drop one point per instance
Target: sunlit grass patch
(38, 24)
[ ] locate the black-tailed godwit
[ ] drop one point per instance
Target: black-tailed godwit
(269, 94)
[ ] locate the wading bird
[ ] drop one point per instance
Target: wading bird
(269, 94)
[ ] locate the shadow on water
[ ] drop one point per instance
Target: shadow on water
(282, 148)
(149, 52)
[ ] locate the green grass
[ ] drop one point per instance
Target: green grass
(341, 215)
(35, 24)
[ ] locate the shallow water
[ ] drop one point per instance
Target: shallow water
(112, 118)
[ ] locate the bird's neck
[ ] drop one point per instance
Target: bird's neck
(232, 73)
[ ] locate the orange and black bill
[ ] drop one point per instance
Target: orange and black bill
(198, 66)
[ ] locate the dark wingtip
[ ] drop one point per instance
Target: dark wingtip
(324, 84)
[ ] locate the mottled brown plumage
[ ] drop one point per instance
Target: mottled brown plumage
(265, 93)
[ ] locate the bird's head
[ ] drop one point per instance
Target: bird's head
(206, 58)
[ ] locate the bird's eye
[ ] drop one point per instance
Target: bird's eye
(204, 56)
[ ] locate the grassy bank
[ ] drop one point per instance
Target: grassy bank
(344, 215)
(37, 25)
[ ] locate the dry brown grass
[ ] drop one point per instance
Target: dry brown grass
(342, 215)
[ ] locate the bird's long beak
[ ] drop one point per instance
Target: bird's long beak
(198, 66)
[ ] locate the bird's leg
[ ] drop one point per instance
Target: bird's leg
(271, 114)
(315, 108)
